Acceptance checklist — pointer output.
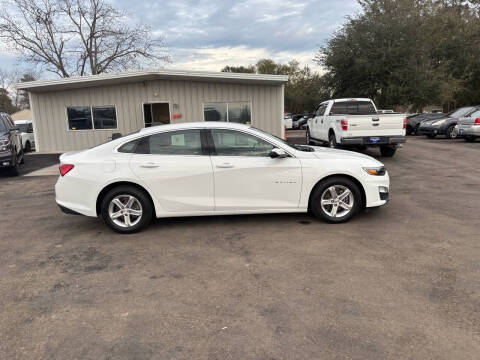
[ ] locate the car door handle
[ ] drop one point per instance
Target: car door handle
(224, 166)
(149, 165)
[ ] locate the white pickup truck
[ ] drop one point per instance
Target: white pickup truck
(356, 122)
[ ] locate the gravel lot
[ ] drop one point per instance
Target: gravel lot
(399, 282)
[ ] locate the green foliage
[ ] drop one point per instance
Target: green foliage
(304, 89)
(417, 52)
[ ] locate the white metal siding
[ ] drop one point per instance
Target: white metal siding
(51, 124)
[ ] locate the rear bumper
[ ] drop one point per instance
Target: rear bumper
(468, 130)
(373, 140)
(6, 159)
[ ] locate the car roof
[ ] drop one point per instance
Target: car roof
(191, 125)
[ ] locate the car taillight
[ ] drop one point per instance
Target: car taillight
(477, 121)
(344, 124)
(65, 168)
(405, 122)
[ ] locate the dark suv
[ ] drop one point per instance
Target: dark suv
(11, 149)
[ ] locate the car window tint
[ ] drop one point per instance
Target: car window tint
(475, 114)
(184, 142)
(129, 147)
(3, 128)
(353, 108)
(235, 143)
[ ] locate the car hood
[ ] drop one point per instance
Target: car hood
(321, 152)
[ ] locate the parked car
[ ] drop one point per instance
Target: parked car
(355, 122)
(444, 125)
(25, 128)
(413, 122)
(469, 126)
(212, 168)
(11, 149)
(301, 123)
(287, 122)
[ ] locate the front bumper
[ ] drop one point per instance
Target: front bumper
(6, 159)
(373, 140)
(431, 130)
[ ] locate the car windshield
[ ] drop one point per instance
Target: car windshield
(460, 112)
(295, 146)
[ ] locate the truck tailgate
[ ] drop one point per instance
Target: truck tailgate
(375, 125)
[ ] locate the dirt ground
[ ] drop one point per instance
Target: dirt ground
(401, 282)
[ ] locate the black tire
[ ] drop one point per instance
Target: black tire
(22, 154)
(450, 132)
(140, 196)
(415, 131)
(470, 139)
(322, 188)
(388, 150)
(308, 139)
(28, 147)
(15, 169)
(332, 141)
(410, 130)
(431, 136)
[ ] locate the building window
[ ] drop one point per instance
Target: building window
(79, 118)
(238, 112)
(92, 117)
(104, 117)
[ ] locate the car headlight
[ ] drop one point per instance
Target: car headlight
(439, 122)
(4, 145)
(376, 171)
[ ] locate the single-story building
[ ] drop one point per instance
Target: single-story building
(81, 112)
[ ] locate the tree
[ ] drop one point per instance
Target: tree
(77, 37)
(239, 69)
(304, 89)
(416, 52)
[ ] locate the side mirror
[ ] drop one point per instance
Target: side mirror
(278, 153)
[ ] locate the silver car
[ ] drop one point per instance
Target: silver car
(469, 126)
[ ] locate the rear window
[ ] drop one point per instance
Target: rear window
(353, 108)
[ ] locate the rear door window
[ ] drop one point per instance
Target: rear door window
(183, 142)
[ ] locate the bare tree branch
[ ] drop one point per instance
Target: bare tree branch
(77, 37)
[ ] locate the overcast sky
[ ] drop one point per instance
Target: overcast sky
(207, 35)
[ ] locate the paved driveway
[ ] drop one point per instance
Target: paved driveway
(400, 282)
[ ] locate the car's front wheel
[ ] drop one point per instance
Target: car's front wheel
(450, 133)
(336, 200)
(126, 209)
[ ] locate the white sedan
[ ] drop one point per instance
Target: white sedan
(214, 168)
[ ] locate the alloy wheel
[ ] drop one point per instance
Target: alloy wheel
(337, 201)
(125, 210)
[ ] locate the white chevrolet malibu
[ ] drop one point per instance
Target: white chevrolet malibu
(214, 168)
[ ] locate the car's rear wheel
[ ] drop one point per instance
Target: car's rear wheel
(336, 200)
(28, 147)
(388, 150)
(332, 141)
(450, 132)
(126, 209)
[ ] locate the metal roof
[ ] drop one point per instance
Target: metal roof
(146, 75)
